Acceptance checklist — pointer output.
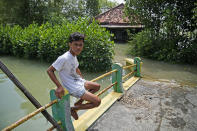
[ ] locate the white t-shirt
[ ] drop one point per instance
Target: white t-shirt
(66, 65)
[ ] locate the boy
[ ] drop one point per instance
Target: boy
(71, 78)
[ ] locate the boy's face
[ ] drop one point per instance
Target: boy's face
(76, 47)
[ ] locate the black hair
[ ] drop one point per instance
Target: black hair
(76, 36)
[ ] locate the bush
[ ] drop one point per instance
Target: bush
(48, 41)
(178, 49)
(5, 42)
(142, 44)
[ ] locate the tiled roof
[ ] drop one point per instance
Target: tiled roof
(113, 16)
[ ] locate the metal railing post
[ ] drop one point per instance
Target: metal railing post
(117, 77)
(137, 68)
(61, 111)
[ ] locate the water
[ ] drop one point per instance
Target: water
(183, 74)
(151, 69)
(32, 74)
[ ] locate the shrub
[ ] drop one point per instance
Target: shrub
(5, 40)
(178, 49)
(142, 44)
(48, 41)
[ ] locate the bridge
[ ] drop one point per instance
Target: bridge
(150, 104)
(61, 107)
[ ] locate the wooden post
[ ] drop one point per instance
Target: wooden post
(28, 95)
(137, 68)
(61, 111)
(117, 77)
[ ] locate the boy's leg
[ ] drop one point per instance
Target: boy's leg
(93, 101)
(91, 87)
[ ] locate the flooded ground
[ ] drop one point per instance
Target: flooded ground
(152, 69)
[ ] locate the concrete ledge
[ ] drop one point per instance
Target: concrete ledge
(130, 82)
(129, 60)
(89, 117)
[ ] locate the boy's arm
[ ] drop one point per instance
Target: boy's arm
(60, 90)
(79, 72)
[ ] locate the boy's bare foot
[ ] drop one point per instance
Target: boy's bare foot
(79, 102)
(74, 114)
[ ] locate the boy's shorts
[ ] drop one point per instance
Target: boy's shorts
(78, 88)
(79, 93)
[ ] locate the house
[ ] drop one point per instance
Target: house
(115, 21)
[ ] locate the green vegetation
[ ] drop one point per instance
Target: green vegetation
(39, 29)
(107, 4)
(48, 41)
(92, 7)
(170, 32)
(25, 12)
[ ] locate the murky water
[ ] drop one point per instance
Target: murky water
(32, 74)
(184, 74)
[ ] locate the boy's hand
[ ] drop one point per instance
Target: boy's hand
(59, 92)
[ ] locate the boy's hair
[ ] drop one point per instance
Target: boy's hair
(76, 36)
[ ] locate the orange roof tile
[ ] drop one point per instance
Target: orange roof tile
(113, 16)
